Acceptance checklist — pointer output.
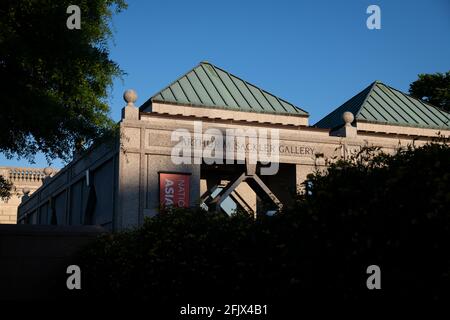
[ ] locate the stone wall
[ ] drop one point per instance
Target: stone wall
(83, 192)
(125, 177)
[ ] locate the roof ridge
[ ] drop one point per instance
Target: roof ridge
(434, 117)
(347, 101)
(372, 85)
(253, 85)
(418, 99)
(149, 100)
(176, 80)
(231, 90)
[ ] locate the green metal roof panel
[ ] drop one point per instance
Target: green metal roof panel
(234, 90)
(209, 86)
(188, 90)
(200, 90)
(379, 103)
(246, 93)
(334, 119)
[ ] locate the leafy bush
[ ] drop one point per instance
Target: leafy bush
(391, 211)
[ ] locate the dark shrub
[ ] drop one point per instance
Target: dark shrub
(391, 211)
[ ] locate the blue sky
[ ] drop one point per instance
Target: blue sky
(314, 54)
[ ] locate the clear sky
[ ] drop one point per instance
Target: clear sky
(314, 54)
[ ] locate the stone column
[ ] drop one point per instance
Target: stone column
(129, 166)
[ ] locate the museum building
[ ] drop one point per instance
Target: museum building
(117, 183)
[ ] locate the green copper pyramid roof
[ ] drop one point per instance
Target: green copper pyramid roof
(379, 103)
(209, 86)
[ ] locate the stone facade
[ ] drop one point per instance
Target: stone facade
(25, 182)
(116, 184)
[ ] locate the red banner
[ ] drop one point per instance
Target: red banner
(174, 190)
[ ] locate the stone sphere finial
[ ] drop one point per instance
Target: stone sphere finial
(48, 171)
(130, 96)
(26, 191)
(348, 118)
